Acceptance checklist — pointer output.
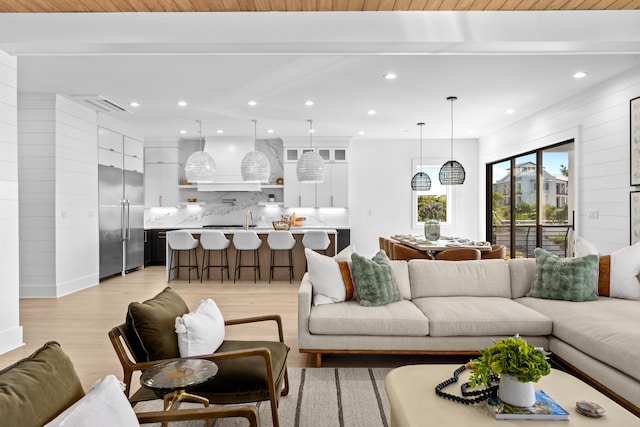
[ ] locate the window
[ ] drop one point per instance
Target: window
(537, 218)
(432, 203)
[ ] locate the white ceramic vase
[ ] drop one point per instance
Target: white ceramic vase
(515, 393)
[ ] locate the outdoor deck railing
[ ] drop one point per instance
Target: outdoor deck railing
(554, 239)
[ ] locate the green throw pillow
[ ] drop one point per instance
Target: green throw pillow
(569, 279)
(153, 323)
(374, 281)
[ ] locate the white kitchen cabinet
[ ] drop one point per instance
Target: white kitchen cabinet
(161, 184)
(110, 140)
(332, 192)
(297, 194)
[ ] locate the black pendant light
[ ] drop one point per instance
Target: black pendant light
(452, 172)
(420, 181)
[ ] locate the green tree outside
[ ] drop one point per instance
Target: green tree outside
(432, 207)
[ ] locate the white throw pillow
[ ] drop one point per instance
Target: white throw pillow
(104, 406)
(625, 267)
(325, 276)
(201, 331)
(583, 247)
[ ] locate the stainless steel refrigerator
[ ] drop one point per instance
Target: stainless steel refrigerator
(121, 220)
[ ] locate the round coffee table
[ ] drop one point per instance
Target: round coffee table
(175, 377)
(413, 401)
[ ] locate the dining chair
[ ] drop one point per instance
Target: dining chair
(496, 252)
(458, 254)
(402, 252)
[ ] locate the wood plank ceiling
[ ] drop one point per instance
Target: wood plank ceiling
(27, 6)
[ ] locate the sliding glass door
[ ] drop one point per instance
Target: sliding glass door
(530, 201)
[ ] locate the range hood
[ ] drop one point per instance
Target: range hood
(228, 153)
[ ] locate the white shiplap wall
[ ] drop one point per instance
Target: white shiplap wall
(598, 120)
(58, 196)
(10, 329)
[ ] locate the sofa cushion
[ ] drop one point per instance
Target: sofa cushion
(327, 276)
(401, 273)
(401, 318)
(625, 268)
(606, 329)
(487, 278)
(374, 280)
(105, 405)
(522, 272)
(571, 279)
(153, 324)
(34, 390)
(474, 316)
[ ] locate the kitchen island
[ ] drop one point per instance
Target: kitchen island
(264, 253)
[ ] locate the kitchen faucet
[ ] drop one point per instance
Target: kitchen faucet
(246, 219)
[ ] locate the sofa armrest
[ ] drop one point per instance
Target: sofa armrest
(305, 296)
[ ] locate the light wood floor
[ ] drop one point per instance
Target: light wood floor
(80, 321)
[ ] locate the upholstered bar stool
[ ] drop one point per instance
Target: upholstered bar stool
(214, 241)
(316, 240)
(182, 241)
(281, 240)
(246, 241)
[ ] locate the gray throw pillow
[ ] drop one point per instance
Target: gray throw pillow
(374, 281)
(569, 279)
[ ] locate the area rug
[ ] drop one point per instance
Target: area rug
(318, 397)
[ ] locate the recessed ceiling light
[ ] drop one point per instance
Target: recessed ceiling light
(469, 132)
(390, 76)
(579, 75)
(183, 131)
(312, 131)
(219, 131)
(134, 104)
(182, 103)
(308, 103)
(269, 130)
(361, 132)
(252, 103)
(371, 112)
(510, 111)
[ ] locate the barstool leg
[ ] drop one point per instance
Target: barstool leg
(290, 266)
(271, 266)
(226, 255)
(195, 258)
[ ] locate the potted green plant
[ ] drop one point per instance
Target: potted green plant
(519, 366)
(272, 197)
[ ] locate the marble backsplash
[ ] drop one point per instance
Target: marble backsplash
(230, 208)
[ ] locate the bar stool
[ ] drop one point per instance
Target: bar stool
(246, 241)
(281, 240)
(317, 240)
(182, 241)
(214, 241)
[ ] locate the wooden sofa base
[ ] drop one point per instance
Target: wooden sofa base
(562, 363)
(319, 353)
(597, 385)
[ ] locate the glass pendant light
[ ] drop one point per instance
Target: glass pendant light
(420, 181)
(200, 167)
(310, 166)
(255, 166)
(452, 172)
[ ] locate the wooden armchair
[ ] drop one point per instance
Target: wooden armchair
(249, 371)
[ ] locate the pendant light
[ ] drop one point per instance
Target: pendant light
(452, 172)
(200, 166)
(420, 181)
(255, 166)
(310, 166)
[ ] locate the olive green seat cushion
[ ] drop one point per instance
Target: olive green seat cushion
(152, 336)
(34, 390)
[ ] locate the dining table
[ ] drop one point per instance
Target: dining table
(442, 244)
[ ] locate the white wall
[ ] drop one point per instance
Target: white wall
(598, 120)
(58, 196)
(380, 195)
(10, 329)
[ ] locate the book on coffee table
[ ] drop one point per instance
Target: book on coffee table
(545, 408)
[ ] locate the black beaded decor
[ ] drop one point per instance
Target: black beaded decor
(482, 394)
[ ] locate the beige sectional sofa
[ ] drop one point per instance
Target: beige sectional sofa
(460, 307)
